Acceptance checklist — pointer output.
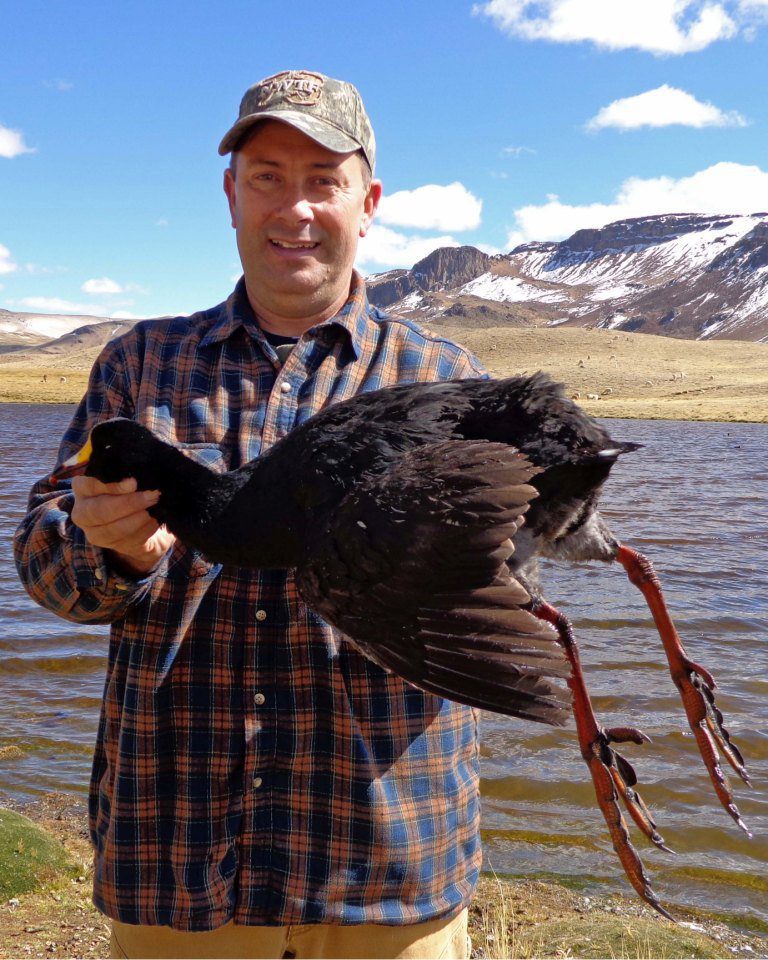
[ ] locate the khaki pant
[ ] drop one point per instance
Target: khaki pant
(435, 940)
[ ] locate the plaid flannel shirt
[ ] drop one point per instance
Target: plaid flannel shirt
(250, 764)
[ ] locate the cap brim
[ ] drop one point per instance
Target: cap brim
(316, 129)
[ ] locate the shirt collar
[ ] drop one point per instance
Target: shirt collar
(236, 312)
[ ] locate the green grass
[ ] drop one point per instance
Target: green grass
(29, 857)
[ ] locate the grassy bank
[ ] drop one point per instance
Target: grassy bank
(24, 385)
(634, 375)
(509, 918)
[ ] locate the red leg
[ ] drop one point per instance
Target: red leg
(696, 685)
(610, 771)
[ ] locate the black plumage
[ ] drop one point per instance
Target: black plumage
(415, 517)
(402, 512)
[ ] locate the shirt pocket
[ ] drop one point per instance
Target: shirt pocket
(185, 561)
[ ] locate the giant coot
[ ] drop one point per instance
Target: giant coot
(414, 517)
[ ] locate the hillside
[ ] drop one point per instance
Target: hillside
(687, 276)
(20, 330)
(634, 375)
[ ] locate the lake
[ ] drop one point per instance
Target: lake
(693, 499)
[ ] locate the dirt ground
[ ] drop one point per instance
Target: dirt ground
(633, 375)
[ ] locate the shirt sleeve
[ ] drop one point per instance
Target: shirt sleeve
(58, 567)
(466, 366)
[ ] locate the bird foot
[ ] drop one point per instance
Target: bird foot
(625, 780)
(695, 683)
(612, 774)
(706, 722)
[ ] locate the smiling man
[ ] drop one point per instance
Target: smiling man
(298, 209)
(259, 788)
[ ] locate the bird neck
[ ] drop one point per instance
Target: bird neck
(187, 489)
(246, 517)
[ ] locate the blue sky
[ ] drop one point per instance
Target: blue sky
(497, 122)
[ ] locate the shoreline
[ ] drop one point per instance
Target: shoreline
(508, 917)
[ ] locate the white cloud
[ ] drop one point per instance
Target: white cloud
(516, 151)
(59, 305)
(432, 207)
(102, 285)
(12, 143)
(385, 248)
(6, 261)
(722, 188)
(657, 26)
(162, 222)
(38, 269)
(663, 107)
(60, 84)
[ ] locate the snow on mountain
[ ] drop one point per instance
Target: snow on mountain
(28, 328)
(491, 286)
(683, 275)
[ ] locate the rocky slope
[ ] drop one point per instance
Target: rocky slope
(83, 342)
(681, 275)
(18, 330)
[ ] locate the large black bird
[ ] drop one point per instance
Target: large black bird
(415, 516)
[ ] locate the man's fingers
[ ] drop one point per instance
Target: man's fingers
(132, 540)
(105, 509)
(91, 487)
(123, 534)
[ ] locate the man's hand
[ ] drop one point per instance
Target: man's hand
(114, 516)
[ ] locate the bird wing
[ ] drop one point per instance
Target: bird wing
(411, 567)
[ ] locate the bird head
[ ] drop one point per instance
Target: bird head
(115, 449)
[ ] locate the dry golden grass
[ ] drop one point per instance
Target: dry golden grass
(526, 919)
(724, 380)
(636, 375)
(26, 385)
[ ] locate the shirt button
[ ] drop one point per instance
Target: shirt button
(98, 574)
(261, 615)
(257, 782)
(259, 699)
(285, 386)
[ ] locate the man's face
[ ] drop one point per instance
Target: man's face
(299, 210)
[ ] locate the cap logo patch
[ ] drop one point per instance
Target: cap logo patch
(295, 86)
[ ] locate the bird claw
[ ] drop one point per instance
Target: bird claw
(706, 722)
(715, 723)
(695, 683)
(626, 735)
(612, 774)
(625, 780)
(613, 777)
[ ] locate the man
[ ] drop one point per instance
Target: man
(259, 788)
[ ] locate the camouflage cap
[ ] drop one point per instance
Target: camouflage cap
(329, 111)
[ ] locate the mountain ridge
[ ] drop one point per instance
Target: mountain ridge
(690, 276)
